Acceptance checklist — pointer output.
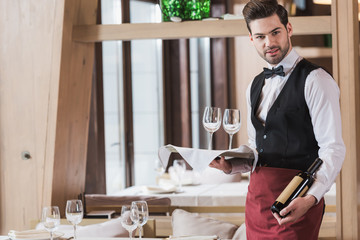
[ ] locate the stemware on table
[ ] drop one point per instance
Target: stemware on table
(159, 168)
(50, 219)
(143, 214)
(179, 166)
(211, 121)
(74, 213)
(129, 218)
(231, 123)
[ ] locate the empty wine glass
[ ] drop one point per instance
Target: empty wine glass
(211, 121)
(159, 168)
(179, 166)
(74, 213)
(129, 218)
(231, 123)
(50, 219)
(143, 214)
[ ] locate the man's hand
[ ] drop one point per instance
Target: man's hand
(221, 164)
(296, 209)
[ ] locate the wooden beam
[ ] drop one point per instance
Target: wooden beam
(219, 77)
(189, 29)
(177, 92)
(95, 163)
(73, 109)
(128, 102)
(346, 72)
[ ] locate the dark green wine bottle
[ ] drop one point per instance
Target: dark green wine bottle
(296, 188)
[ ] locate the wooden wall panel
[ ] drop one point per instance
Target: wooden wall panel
(245, 53)
(45, 84)
(30, 43)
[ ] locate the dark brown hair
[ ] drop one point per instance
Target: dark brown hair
(257, 9)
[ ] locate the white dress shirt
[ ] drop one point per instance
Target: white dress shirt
(322, 98)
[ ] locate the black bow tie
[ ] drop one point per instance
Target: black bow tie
(278, 71)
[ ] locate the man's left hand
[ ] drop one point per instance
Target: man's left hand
(296, 209)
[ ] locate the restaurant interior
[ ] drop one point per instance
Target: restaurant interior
(91, 90)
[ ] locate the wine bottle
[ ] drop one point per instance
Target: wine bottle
(296, 188)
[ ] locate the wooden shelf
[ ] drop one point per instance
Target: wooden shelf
(189, 29)
(314, 52)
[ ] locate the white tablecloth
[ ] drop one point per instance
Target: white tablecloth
(224, 194)
(92, 238)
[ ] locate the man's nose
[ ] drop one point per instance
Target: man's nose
(269, 41)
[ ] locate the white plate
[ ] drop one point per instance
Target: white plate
(38, 236)
(159, 190)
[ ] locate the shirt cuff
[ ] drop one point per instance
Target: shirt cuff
(240, 165)
(318, 190)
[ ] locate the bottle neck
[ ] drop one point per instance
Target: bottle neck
(316, 164)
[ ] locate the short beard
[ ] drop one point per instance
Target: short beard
(283, 53)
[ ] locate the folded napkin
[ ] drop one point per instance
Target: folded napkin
(199, 159)
(32, 234)
(213, 237)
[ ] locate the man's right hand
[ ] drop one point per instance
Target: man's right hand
(221, 164)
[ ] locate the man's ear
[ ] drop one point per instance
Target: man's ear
(289, 29)
(251, 38)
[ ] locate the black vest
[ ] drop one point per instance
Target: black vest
(287, 140)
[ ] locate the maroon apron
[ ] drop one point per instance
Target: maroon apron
(265, 186)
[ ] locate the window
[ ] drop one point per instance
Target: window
(147, 100)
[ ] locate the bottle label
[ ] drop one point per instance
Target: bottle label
(295, 182)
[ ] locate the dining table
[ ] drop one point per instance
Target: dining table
(122, 238)
(221, 194)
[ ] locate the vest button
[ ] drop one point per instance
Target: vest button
(265, 136)
(261, 150)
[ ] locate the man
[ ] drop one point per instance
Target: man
(293, 118)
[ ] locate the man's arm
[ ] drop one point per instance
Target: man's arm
(322, 98)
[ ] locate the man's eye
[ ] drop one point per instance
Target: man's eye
(276, 32)
(260, 37)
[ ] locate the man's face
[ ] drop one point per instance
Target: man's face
(271, 39)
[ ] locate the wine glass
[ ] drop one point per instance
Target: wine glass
(211, 121)
(179, 166)
(74, 213)
(129, 218)
(143, 214)
(159, 168)
(50, 219)
(231, 123)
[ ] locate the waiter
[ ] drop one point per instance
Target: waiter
(293, 118)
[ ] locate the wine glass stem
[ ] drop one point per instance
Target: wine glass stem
(75, 231)
(130, 235)
(180, 184)
(210, 141)
(230, 140)
(140, 232)
(51, 235)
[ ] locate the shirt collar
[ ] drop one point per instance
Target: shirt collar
(289, 61)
